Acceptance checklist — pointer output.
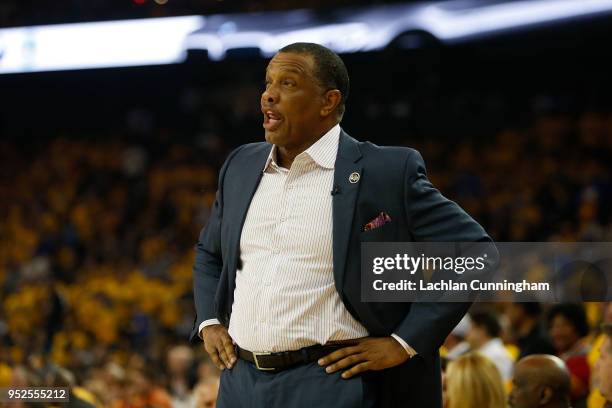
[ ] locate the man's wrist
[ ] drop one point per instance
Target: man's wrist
(206, 323)
(411, 352)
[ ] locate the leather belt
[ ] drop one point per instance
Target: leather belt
(275, 362)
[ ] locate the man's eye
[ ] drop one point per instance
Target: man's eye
(288, 83)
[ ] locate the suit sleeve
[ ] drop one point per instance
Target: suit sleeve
(208, 262)
(434, 218)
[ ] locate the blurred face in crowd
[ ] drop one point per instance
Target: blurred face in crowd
(607, 313)
(179, 359)
(296, 109)
(526, 392)
(563, 333)
(540, 380)
(515, 314)
(476, 336)
(604, 369)
(206, 395)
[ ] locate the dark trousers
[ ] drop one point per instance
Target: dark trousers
(304, 386)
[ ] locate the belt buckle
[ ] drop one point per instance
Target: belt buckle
(255, 355)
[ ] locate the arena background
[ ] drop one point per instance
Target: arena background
(107, 176)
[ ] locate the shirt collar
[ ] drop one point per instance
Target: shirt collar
(323, 151)
(492, 343)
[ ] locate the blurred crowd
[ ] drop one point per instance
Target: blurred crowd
(96, 247)
(549, 182)
(95, 270)
(530, 355)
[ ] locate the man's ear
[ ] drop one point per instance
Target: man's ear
(546, 395)
(332, 99)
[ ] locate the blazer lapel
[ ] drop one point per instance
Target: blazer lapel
(347, 167)
(250, 178)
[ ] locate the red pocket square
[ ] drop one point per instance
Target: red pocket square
(379, 221)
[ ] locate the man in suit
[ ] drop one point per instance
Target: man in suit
(277, 268)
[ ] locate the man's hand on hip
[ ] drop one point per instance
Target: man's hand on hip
(219, 345)
(368, 353)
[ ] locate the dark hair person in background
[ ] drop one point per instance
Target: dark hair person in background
(540, 381)
(484, 337)
(527, 330)
(277, 268)
(568, 326)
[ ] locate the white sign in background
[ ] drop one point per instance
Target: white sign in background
(166, 40)
(95, 45)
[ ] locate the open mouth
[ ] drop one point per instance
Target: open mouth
(272, 120)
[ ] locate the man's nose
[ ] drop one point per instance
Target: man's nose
(269, 96)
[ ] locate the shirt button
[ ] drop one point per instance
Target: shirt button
(276, 250)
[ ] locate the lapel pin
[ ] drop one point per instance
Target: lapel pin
(354, 178)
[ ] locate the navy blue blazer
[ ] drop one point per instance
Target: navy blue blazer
(393, 180)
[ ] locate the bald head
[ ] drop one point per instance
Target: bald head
(547, 369)
(540, 381)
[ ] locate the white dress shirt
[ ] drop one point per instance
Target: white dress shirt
(495, 350)
(285, 298)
